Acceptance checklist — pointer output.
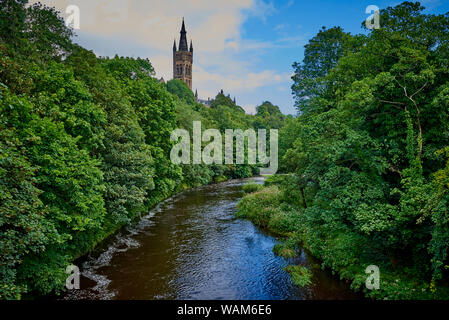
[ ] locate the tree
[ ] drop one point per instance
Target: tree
(126, 158)
(321, 54)
(222, 100)
(373, 117)
(22, 221)
(47, 32)
(181, 90)
(13, 16)
(268, 116)
(84, 146)
(154, 108)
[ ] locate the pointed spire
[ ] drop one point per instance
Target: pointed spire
(183, 28)
(183, 39)
(196, 94)
(174, 45)
(191, 46)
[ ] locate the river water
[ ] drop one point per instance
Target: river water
(192, 247)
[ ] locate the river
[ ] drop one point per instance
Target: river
(192, 247)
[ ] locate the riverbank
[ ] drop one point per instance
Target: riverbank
(191, 246)
(273, 208)
(110, 231)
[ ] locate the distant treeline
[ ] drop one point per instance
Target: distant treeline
(85, 145)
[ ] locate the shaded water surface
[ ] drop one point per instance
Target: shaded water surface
(192, 247)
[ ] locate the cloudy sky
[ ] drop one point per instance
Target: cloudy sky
(245, 47)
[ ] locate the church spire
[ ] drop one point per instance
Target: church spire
(183, 28)
(183, 39)
(183, 58)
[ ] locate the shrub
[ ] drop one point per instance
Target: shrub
(275, 179)
(252, 187)
(259, 206)
(283, 222)
(300, 275)
(285, 250)
(219, 179)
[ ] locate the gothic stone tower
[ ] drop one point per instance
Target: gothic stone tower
(183, 59)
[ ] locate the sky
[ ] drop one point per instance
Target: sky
(245, 47)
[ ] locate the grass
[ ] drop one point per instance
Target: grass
(219, 179)
(300, 275)
(259, 206)
(338, 251)
(284, 250)
(252, 187)
(264, 209)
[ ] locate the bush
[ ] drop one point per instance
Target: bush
(264, 209)
(219, 179)
(252, 187)
(285, 250)
(283, 222)
(275, 179)
(259, 206)
(301, 276)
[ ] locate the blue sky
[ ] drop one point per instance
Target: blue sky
(299, 21)
(245, 47)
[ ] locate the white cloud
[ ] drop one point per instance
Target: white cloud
(211, 82)
(249, 108)
(291, 39)
(280, 27)
(148, 28)
(262, 9)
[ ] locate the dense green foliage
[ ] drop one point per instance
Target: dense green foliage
(85, 149)
(84, 146)
(301, 276)
(179, 89)
(252, 187)
(369, 182)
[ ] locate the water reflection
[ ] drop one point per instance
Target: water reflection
(192, 247)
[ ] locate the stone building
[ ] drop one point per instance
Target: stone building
(183, 58)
